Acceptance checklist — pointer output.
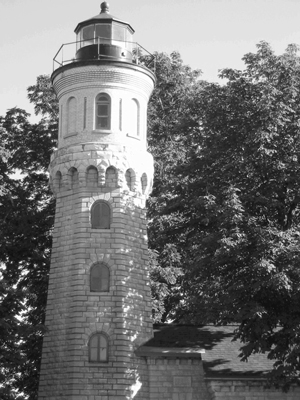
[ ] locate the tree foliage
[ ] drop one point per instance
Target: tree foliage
(26, 214)
(237, 195)
(175, 87)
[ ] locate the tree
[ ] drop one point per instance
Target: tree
(237, 202)
(26, 214)
(175, 85)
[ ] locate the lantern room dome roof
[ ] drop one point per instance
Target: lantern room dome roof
(103, 17)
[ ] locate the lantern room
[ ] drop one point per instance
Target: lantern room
(105, 37)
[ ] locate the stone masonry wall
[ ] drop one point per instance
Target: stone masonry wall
(247, 390)
(74, 313)
(176, 379)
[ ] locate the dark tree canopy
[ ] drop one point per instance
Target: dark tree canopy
(26, 215)
(175, 86)
(235, 196)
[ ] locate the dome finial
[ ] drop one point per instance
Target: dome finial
(104, 7)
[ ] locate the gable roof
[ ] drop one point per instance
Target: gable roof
(221, 353)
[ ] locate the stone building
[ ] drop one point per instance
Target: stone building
(100, 343)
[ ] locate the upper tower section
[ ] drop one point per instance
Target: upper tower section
(105, 37)
(103, 85)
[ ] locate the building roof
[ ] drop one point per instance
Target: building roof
(103, 17)
(220, 354)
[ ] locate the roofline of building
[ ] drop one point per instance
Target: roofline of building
(169, 352)
(95, 20)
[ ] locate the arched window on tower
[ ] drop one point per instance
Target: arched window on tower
(100, 215)
(73, 178)
(92, 176)
(103, 111)
(130, 179)
(98, 348)
(99, 278)
(111, 177)
(57, 181)
(144, 182)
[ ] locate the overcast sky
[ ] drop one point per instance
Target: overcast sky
(209, 34)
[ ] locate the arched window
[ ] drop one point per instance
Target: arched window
(73, 177)
(130, 179)
(99, 278)
(57, 180)
(98, 348)
(111, 177)
(144, 182)
(103, 110)
(100, 215)
(92, 176)
(71, 115)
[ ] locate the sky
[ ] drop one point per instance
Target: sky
(209, 34)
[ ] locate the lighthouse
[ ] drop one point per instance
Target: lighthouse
(99, 304)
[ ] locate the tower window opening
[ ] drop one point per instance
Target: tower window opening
(99, 278)
(103, 110)
(111, 177)
(57, 180)
(100, 215)
(92, 176)
(130, 179)
(144, 182)
(98, 348)
(73, 177)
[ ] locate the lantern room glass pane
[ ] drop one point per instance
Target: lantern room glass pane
(88, 35)
(128, 39)
(119, 33)
(78, 43)
(103, 31)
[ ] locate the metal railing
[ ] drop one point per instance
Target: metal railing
(67, 52)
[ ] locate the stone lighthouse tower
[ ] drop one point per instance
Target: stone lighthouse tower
(99, 309)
